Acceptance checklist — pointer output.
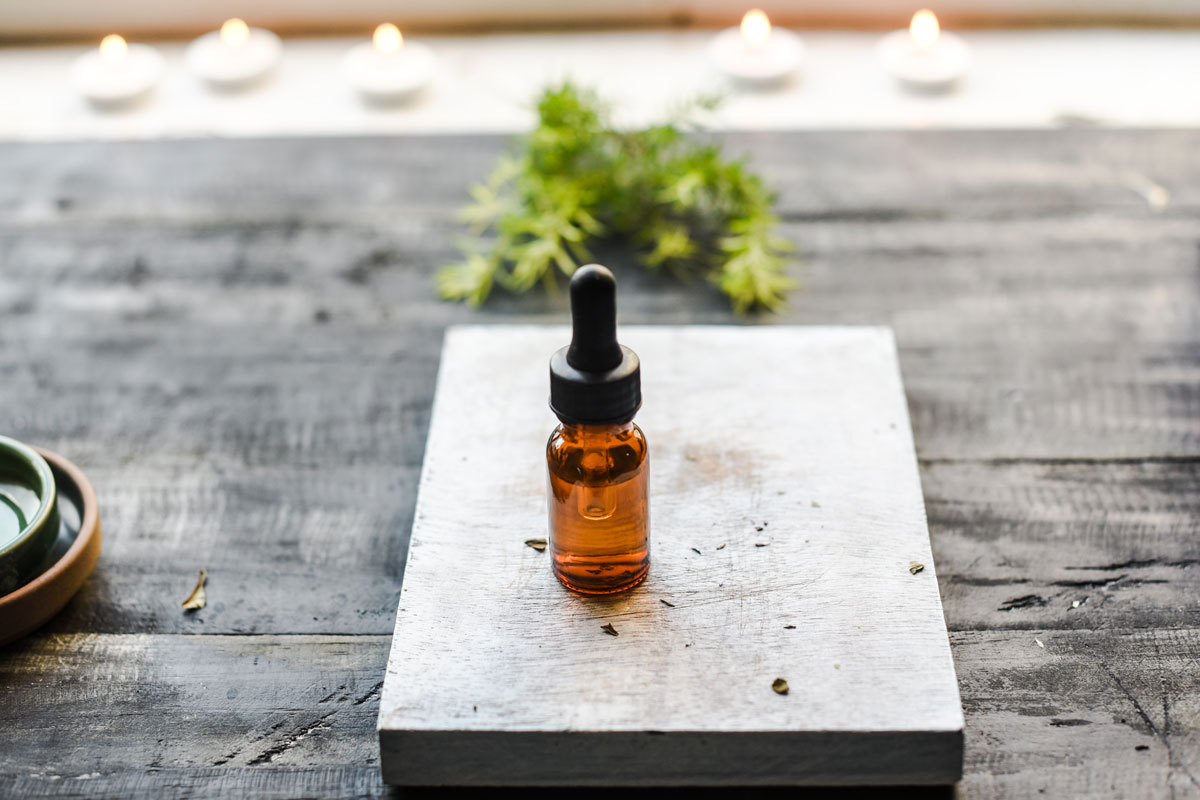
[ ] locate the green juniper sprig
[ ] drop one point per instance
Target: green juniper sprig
(576, 179)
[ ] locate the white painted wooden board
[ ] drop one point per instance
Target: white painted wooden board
(499, 676)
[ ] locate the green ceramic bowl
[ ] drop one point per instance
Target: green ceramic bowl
(28, 512)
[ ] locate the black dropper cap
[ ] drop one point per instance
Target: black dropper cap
(595, 381)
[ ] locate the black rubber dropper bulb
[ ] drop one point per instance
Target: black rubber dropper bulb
(594, 345)
(595, 380)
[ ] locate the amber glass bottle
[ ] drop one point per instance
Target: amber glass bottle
(599, 506)
(598, 472)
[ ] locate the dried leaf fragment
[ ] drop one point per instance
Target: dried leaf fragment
(780, 686)
(915, 566)
(536, 544)
(721, 546)
(197, 599)
(665, 603)
(609, 629)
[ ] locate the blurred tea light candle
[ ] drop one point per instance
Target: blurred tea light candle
(755, 52)
(924, 56)
(388, 68)
(117, 72)
(235, 56)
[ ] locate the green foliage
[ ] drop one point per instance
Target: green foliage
(576, 179)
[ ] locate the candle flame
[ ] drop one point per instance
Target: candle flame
(387, 38)
(113, 48)
(235, 32)
(756, 28)
(924, 28)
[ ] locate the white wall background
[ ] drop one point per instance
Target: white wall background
(80, 18)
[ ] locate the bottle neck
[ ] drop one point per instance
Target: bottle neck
(578, 432)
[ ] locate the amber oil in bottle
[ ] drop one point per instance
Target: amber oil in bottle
(598, 472)
(599, 508)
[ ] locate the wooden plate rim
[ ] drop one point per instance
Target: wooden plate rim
(89, 529)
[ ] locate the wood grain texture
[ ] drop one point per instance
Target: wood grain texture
(1066, 718)
(1066, 545)
(145, 701)
(1043, 306)
(786, 511)
(237, 342)
(1086, 714)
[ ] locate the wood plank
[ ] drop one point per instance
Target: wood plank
(287, 783)
(287, 550)
(1066, 276)
(219, 783)
(144, 701)
(786, 497)
(1013, 541)
(1066, 718)
(1026, 339)
(1014, 544)
(1091, 714)
(1066, 545)
(881, 176)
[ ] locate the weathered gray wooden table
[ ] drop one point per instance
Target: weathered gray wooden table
(237, 342)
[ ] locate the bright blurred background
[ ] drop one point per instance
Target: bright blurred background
(1034, 63)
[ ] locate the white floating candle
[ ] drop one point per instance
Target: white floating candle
(755, 52)
(924, 57)
(235, 56)
(117, 72)
(388, 68)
